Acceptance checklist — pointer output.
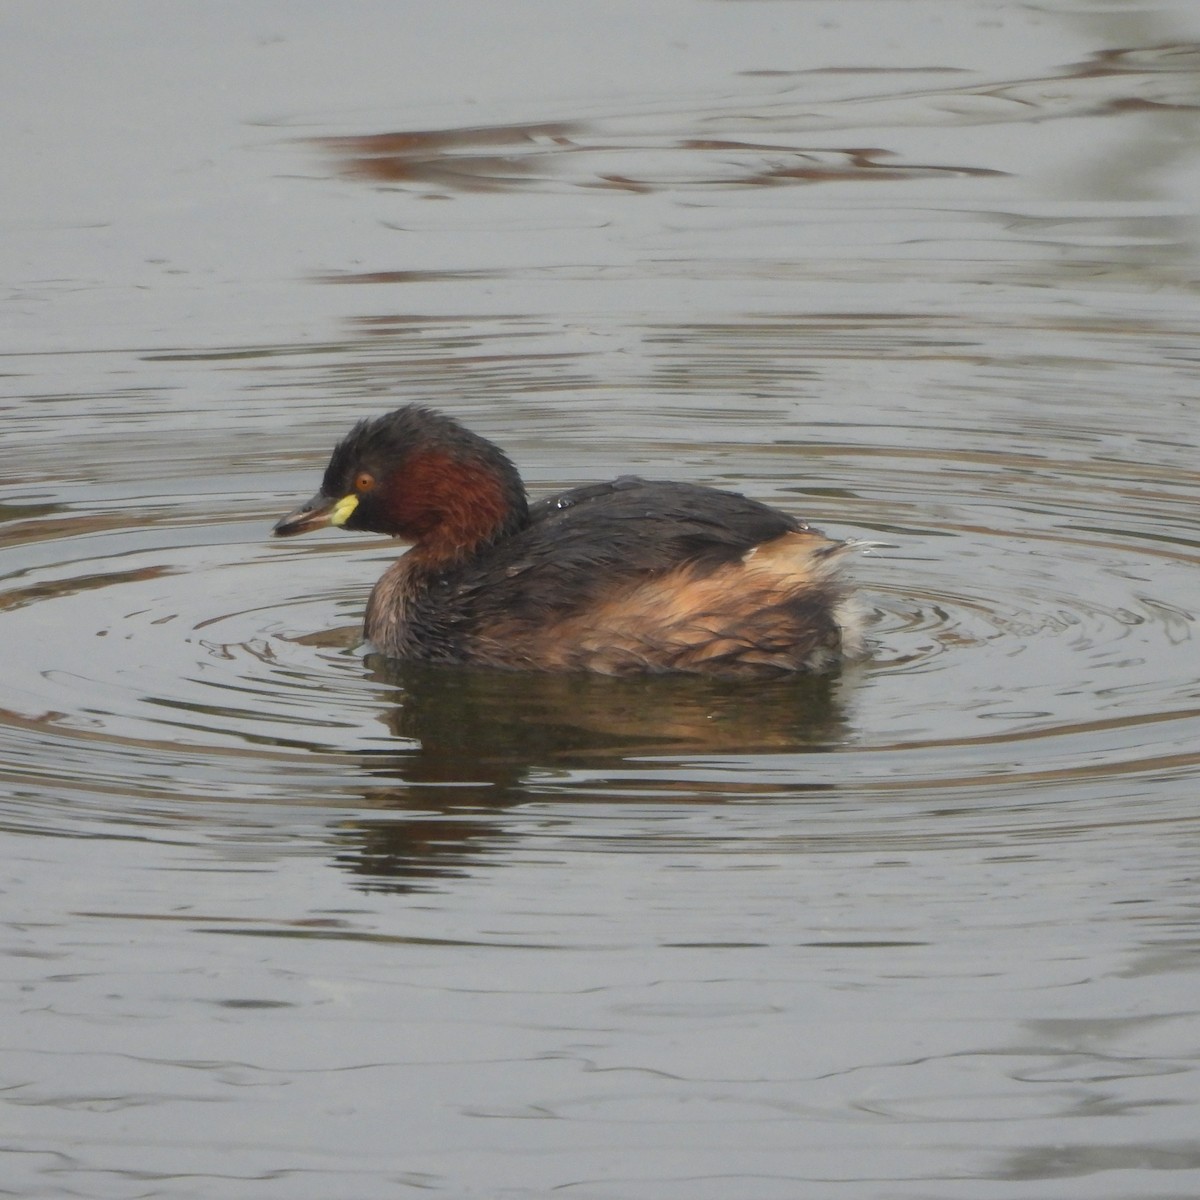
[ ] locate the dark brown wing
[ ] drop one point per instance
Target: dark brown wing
(581, 544)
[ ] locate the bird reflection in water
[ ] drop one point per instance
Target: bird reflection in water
(482, 741)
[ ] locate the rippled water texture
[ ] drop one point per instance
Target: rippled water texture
(285, 920)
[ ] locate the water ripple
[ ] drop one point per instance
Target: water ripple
(1027, 637)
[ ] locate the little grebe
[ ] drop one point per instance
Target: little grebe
(634, 575)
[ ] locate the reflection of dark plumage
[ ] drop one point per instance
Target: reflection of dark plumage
(629, 576)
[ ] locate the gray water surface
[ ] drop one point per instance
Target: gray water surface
(284, 920)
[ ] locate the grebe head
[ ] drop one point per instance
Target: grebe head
(419, 475)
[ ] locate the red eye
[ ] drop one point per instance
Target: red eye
(364, 481)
